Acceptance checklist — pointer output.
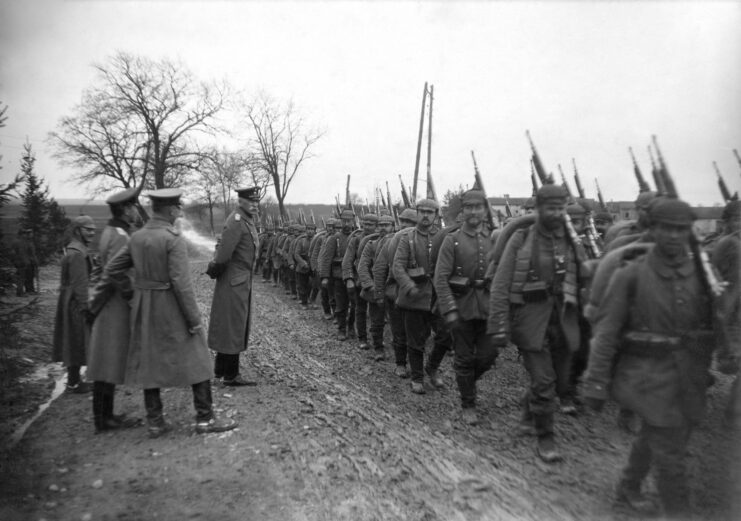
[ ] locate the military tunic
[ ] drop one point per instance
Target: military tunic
(229, 325)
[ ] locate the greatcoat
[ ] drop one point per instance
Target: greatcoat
(71, 333)
(229, 326)
(162, 351)
(109, 338)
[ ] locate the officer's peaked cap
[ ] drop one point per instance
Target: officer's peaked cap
(123, 197)
(166, 195)
(249, 192)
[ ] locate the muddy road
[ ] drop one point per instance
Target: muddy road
(328, 434)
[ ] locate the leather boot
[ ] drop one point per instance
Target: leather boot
(546, 448)
(156, 424)
(98, 405)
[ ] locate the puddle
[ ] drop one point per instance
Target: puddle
(59, 384)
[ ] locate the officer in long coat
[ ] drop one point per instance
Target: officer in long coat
(651, 351)
(534, 300)
(167, 345)
(233, 268)
(71, 325)
(109, 338)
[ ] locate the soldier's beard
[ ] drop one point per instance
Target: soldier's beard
(346, 229)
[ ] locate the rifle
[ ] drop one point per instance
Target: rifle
(546, 179)
(347, 192)
(658, 179)
(404, 195)
(395, 212)
(577, 181)
(712, 282)
(599, 196)
(388, 196)
(337, 205)
(324, 223)
(507, 208)
(419, 143)
(480, 184)
(722, 185)
(738, 158)
(537, 163)
(383, 199)
(642, 184)
(533, 179)
(565, 184)
(313, 221)
(355, 216)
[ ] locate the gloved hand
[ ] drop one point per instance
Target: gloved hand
(499, 340)
(325, 283)
(214, 270)
(595, 404)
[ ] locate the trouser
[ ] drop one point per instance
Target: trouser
(341, 304)
(287, 276)
(24, 280)
(302, 287)
(474, 355)
(267, 270)
(327, 297)
(103, 397)
(664, 447)
(276, 274)
(361, 315)
(549, 371)
(377, 313)
(580, 358)
(733, 408)
(202, 402)
(418, 325)
(73, 375)
(226, 366)
(314, 287)
(398, 333)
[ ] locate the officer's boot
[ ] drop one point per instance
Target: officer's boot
(98, 406)
(546, 446)
(526, 426)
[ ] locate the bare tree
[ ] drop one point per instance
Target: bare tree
(141, 118)
(6, 190)
(283, 141)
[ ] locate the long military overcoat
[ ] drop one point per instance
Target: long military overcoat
(109, 338)
(229, 327)
(71, 333)
(162, 351)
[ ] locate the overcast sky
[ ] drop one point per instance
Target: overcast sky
(588, 79)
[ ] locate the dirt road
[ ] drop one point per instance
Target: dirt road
(328, 434)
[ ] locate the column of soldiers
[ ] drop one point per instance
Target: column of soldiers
(541, 287)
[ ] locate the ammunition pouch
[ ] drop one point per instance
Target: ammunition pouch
(458, 284)
(535, 291)
(417, 274)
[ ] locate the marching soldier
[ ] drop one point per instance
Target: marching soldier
(233, 269)
(168, 346)
(25, 261)
(537, 284)
(350, 275)
(109, 339)
(330, 267)
(316, 250)
(625, 232)
(275, 254)
(603, 222)
(302, 264)
(73, 318)
(727, 259)
(651, 351)
(265, 242)
(463, 298)
(383, 280)
(413, 271)
(373, 295)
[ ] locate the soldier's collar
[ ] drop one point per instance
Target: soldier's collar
(684, 268)
(119, 223)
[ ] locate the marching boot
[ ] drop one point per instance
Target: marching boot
(98, 406)
(546, 449)
(156, 424)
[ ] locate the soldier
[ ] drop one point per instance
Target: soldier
(537, 283)
(73, 318)
(727, 259)
(383, 279)
(628, 231)
(265, 242)
(330, 267)
(233, 268)
(372, 294)
(413, 271)
(275, 255)
(651, 350)
(168, 345)
(109, 339)
(25, 261)
(302, 264)
(350, 275)
(316, 249)
(603, 222)
(463, 298)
